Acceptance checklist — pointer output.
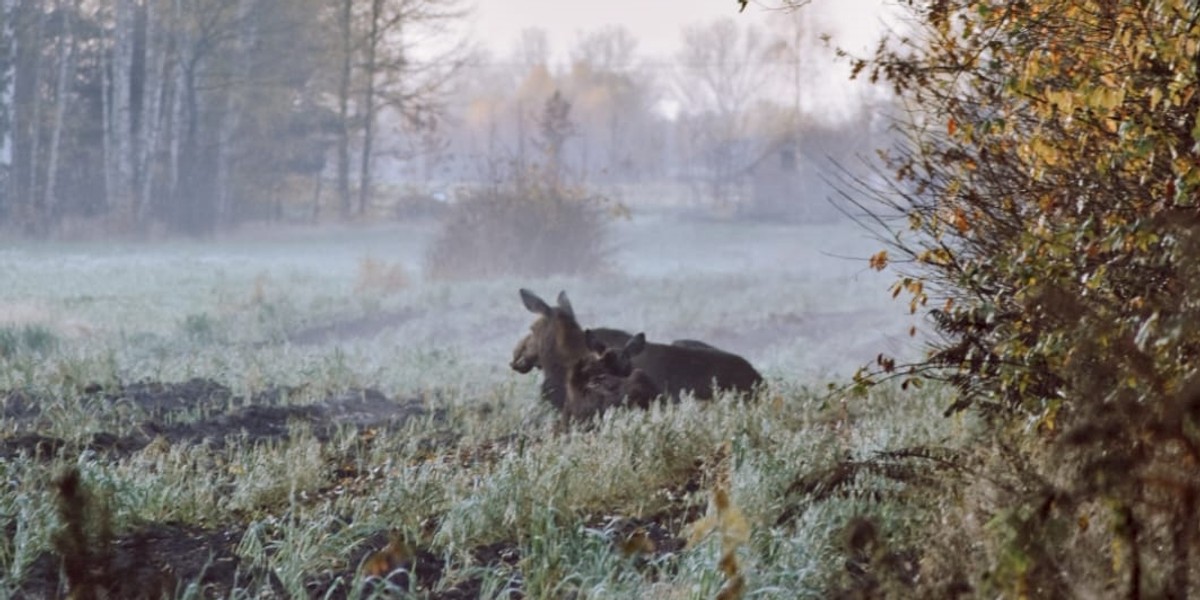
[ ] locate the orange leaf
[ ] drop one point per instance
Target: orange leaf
(960, 221)
(879, 260)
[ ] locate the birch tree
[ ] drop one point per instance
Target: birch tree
(345, 12)
(722, 72)
(8, 51)
(160, 18)
(397, 58)
(66, 70)
(375, 25)
(231, 115)
(29, 27)
(120, 131)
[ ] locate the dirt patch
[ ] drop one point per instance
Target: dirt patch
(155, 399)
(391, 570)
(17, 405)
(360, 409)
(158, 399)
(35, 445)
(157, 561)
(265, 419)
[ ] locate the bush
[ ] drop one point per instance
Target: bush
(1049, 183)
(528, 229)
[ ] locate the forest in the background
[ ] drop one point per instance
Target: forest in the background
(172, 116)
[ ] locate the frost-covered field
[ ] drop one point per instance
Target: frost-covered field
(798, 301)
(269, 410)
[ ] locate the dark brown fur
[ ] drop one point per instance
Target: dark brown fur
(602, 381)
(556, 342)
(525, 355)
(685, 365)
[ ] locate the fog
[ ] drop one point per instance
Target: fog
(374, 172)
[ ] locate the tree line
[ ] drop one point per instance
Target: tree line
(195, 114)
(191, 116)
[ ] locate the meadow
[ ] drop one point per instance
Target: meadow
(304, 414)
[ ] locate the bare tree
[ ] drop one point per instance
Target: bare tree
(722, 72)
(120, 121)
(794, 41)
(613, 97)
(345, 12)
(155, 119)
(610, 49)
(28, 28)
(531, 50)
(234, 105)
(411, 55)
(370, 67)
(8, 55)
(66, 69)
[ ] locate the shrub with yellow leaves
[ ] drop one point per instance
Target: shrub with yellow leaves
(1048, 190)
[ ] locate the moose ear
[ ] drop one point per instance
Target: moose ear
(535, 304)
(565, 305)
(635, 345)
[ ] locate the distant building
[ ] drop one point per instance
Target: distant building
(785, 185)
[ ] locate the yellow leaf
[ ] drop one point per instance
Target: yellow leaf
(700, 529)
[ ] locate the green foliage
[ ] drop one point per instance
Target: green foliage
(1049, 183)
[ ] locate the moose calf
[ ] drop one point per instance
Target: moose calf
(601, 381)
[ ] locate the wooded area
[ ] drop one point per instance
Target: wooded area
(199, 114)
(190, 116)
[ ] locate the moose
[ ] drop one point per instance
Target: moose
(577, 381)
(601, 381)
(556, 343)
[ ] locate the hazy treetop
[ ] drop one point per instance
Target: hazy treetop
(656, 25)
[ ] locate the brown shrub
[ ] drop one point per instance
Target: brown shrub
(529, 229)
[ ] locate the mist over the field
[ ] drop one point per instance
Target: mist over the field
(680, 175)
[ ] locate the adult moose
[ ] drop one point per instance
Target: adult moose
(556, 342)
